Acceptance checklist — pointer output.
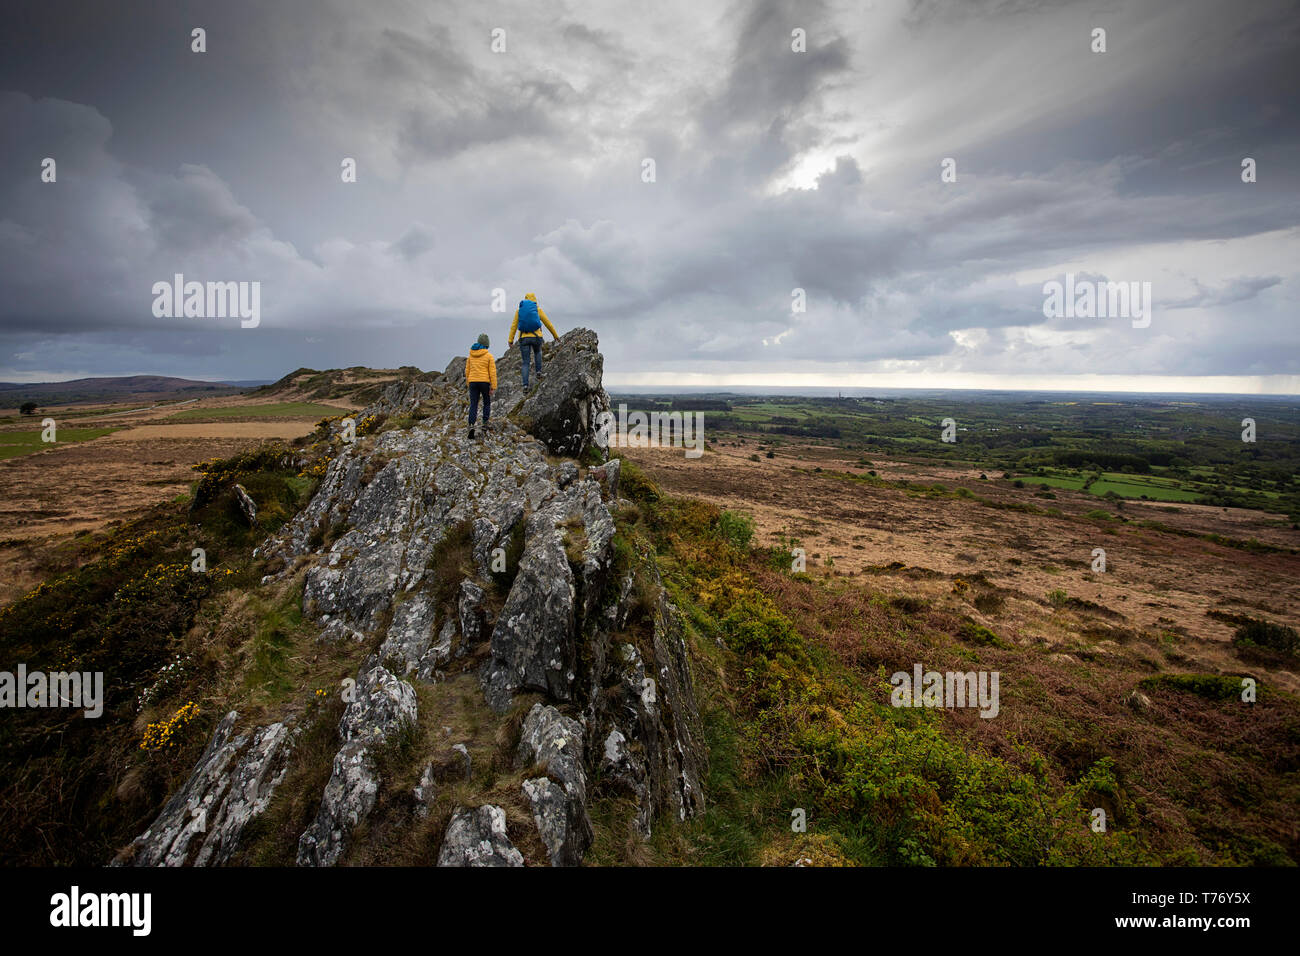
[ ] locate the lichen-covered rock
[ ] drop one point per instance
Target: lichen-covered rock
(607, 476)
(533, 642)
(565, 474)
(247, 507)
(412, 644)
(383, 704)
(400, 397)
(559, 799)
(563, 408)
(231, 786)
(473, 623)
(477, 837)
(652, 702)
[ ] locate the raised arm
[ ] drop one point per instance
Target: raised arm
(547, 322)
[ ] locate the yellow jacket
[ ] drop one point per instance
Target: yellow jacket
(481, 366)
(514, 325)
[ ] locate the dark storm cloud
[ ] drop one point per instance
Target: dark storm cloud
(775, 170)
(764, 79)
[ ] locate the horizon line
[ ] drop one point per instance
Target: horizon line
(1274, 385)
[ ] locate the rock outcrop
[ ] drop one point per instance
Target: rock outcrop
(233, 783)
(382, 707)
(478, 838)
(525, 516)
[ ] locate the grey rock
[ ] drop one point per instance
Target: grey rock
(469, 762)
(383, 705)
(553, 813)
(566, 473)
(559, 800)
(473, 621)
(533, 641)
(371, 541)
(563, 409)
(410, 643)
(425, 791)
(485, 536)
(231, 785)
(607, 476)
(477, 837)
(247, 507)
(400, 398)
(337, 631)
(654, 705)
(557, 743)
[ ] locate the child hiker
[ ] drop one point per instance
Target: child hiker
(529, 319)
(481, 374)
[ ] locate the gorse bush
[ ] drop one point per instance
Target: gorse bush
(1260, 633)
(634, 484)
(792, 727)
(124, 609)
(736, 529)
(1209, 686)
(930, 799)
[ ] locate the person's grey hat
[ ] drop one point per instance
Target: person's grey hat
(484, 341)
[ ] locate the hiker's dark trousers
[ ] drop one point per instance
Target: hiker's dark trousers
(531, 343)
(479, 390)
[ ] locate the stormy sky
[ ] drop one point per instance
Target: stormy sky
(774, 170)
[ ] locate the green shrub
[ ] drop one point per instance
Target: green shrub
(633, 483)
(1209, 686)
(1259, 633)
(736, 529)
(973, 633)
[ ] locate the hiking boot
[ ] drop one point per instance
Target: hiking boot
(471, 432)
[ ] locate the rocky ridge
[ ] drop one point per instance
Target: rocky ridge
(583, 643)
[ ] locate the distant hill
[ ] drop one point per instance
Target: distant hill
(357, 384)
(127, 388)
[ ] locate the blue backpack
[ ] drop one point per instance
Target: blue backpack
(528, 318)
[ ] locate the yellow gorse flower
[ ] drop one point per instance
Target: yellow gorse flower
(164, 733)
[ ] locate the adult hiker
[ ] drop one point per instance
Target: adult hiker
(529, 319)
(481, 374)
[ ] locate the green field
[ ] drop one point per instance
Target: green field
(13, 444)
(1070, 484)
(1136, 486)
(1151, 447)
(276, 410)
